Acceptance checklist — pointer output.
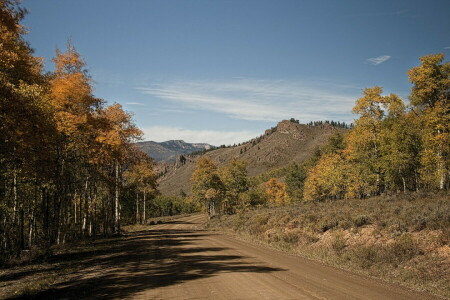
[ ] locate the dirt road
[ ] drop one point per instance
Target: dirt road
(177, 260)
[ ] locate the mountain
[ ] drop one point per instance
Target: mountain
(169, 150)
(278, 147)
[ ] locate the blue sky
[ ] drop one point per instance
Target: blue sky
(222, 72)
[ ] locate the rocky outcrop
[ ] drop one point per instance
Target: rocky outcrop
(292, 128)
(180, 161)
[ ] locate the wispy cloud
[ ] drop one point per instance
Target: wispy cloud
(213, 137)
(266, 100)
(447, 47)
(135, 103)
(378, 60)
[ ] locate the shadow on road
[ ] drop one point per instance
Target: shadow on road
(145, 260)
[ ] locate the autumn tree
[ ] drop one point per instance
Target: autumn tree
(430, 99)
(115, 143)
(72, 104)
(62, 150)
(141, 176)
(235, 181)
(276, 192)
(400, 148)
(376, 155)
(207, 187)
(326, 180)
(26, 130)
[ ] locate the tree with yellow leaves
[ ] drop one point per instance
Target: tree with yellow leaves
(326, 180)
(62, 151)
(207, 188)
(276, 192)
(235, 181)
(430, 100)
(142, 177)
(115, 140)
(26, 132)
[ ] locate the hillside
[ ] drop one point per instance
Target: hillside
(288, 142)
(169, 150)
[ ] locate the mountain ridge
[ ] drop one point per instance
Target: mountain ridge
(169, 150)
(278, 147)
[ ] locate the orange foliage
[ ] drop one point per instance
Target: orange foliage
(276, 192)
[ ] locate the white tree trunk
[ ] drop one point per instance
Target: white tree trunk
(137, 208)
(116, 200)
(143, 210)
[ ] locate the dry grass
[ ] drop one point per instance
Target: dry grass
(403, 238)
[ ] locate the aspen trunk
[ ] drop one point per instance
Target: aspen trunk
(14, 195)
(31, 221)
(94, 220)
(58, 223)
(22, 229)
(80, 211)
(86, 207)
(116, 200)
(416, 177)
(143, 210)
(91, 214)
(137, 208)
(441, 173)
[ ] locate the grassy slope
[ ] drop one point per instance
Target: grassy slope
(400, 238)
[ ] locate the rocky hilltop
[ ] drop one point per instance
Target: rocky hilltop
(278, 147)
(168, 151)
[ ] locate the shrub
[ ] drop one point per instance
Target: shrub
(403, 249)
(291, 237)
(365, 256)
(360, 220)
(328, 224)
(338, 243)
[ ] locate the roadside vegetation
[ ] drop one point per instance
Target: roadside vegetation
(402, 238)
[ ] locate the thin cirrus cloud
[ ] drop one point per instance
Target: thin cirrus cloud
(135, 103)
(261, 100)
(378, 60)
(212, 137)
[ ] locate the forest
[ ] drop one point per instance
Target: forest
(67, 158)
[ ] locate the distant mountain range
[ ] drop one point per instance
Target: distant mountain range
(169, 150)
